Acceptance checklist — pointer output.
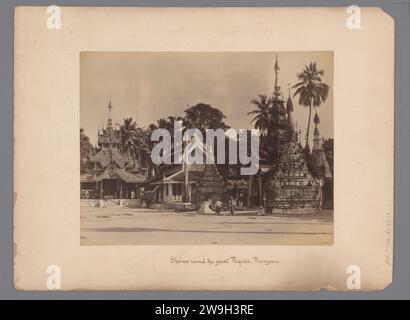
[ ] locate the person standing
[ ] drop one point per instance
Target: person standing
(218, 206)
(232, 205)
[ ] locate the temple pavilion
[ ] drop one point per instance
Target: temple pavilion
(176, 184)
(112, 174)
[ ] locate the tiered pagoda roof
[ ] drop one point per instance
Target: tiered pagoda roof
(292, 185)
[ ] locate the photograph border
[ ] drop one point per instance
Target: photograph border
(399, 289)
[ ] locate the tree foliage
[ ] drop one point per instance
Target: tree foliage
(311, 90)
(203, 116)
(86, 150)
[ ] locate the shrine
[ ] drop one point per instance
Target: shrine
(111, 174)
(295, 183)
(292, 187)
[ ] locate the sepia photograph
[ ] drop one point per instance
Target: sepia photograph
(154, 150)
(206, 148)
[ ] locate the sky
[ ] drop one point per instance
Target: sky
(152, 85)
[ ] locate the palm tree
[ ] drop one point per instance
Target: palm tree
(311, 90)
(262, 119)
(128, 132)
(141, 146)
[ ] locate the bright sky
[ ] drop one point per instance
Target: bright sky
(148, 86)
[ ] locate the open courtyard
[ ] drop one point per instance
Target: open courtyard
(115, 225)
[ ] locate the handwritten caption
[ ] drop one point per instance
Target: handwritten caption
(216, 262)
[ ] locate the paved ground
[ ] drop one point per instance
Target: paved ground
(132, 226)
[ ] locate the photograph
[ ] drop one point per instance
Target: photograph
(206, 148)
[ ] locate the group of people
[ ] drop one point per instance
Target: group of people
(231, 206)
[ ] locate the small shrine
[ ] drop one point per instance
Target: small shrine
(211, 184)
(292, 187)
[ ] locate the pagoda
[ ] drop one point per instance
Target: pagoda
(113, 174)
(291, 187)
(211, 185)
(281, 116)
(319, 165)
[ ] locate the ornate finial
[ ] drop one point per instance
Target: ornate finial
(276, 64)
(110, 105)
(109, 121)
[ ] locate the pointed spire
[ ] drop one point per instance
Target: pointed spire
(276, 64)
(289, 103)
(110, 105)
(109, 121)
(316, 132)
(316, 119)
(276, 68)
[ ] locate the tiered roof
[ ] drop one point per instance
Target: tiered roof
(292, 185)
(110, 162)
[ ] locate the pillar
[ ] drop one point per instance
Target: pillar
(169, 189)
(250, 180)
(101, 190)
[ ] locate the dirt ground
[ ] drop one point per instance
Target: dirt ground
(116, 225)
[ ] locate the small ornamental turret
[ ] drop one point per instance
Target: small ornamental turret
(289, 110)
(316, 119)
(289, 103)
(318, 162)
(109, 137)
(317, 145)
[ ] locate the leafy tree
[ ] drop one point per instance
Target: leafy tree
(203, 116)
(166, 123)
(86, 150)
